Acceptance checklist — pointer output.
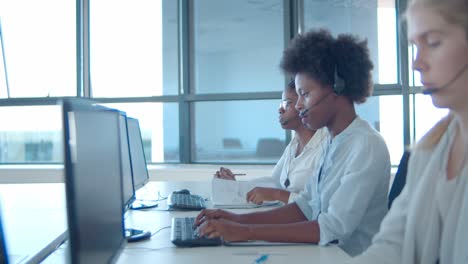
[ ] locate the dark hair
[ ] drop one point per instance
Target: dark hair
(318, 54)
(291, 85)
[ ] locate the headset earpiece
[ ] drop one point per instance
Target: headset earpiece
(339, 85)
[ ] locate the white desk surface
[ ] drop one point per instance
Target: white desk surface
(159, 249)
(34, 219)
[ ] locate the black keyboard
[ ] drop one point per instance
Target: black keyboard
(183, 234)
(184, 201)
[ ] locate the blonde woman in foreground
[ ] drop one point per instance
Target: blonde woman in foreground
(428, 222)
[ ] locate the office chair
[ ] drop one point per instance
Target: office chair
(270, 147)
(400, 178)
(232, 143)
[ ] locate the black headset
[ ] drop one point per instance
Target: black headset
(339, 83)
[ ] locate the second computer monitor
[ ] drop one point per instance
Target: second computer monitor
(140, 170)
(128, 193)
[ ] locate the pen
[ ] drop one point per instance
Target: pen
(261, 259)
(234, 174)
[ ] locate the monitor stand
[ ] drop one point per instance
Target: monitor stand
(134, 235)
(142, 205)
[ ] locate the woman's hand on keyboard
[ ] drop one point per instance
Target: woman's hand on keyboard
(225, 229)
(212, 214)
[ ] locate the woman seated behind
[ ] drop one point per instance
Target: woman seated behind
(299, 158)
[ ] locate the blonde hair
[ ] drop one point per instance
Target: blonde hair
(433, 136)
(454, 11)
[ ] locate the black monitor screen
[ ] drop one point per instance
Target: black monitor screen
(127, 179)
(140, 171)
(93, 179)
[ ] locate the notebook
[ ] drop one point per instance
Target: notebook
(233, 194)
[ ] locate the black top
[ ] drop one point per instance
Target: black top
(400, 178)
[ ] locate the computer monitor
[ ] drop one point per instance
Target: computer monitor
(139, 169)
(139, 166)
(93, 182)
(128, 194)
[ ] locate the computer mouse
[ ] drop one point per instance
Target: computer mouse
(183, 191)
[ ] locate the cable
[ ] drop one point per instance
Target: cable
(160, 198)
(160, 229)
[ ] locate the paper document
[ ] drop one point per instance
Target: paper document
(233, 194)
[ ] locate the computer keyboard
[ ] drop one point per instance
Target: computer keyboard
(183, 234)
(184, 201)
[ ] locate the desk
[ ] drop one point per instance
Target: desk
(159, 249)
(34, 217)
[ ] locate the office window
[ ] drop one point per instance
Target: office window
(39, 44)
(3, 73)
(385, 114)
(414, 76)
(234, 49)
(159, 127)
(133, 48)
(237, 132)
(374, 20)
(237, 45)
(426, 115)
(31, 134)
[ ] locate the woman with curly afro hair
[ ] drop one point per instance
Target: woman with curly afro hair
(345, 198)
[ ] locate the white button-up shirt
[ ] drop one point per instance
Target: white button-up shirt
(350, 199)
(297, 169)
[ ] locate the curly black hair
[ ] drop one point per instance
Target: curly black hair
(318, 54)
(291, 85)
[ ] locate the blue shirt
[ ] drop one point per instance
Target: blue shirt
(350, 199)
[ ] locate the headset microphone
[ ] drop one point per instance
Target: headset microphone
(285, 122)
(338, 89)
(303, 112)
(431, 90)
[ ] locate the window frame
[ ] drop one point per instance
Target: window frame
(293, 24)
